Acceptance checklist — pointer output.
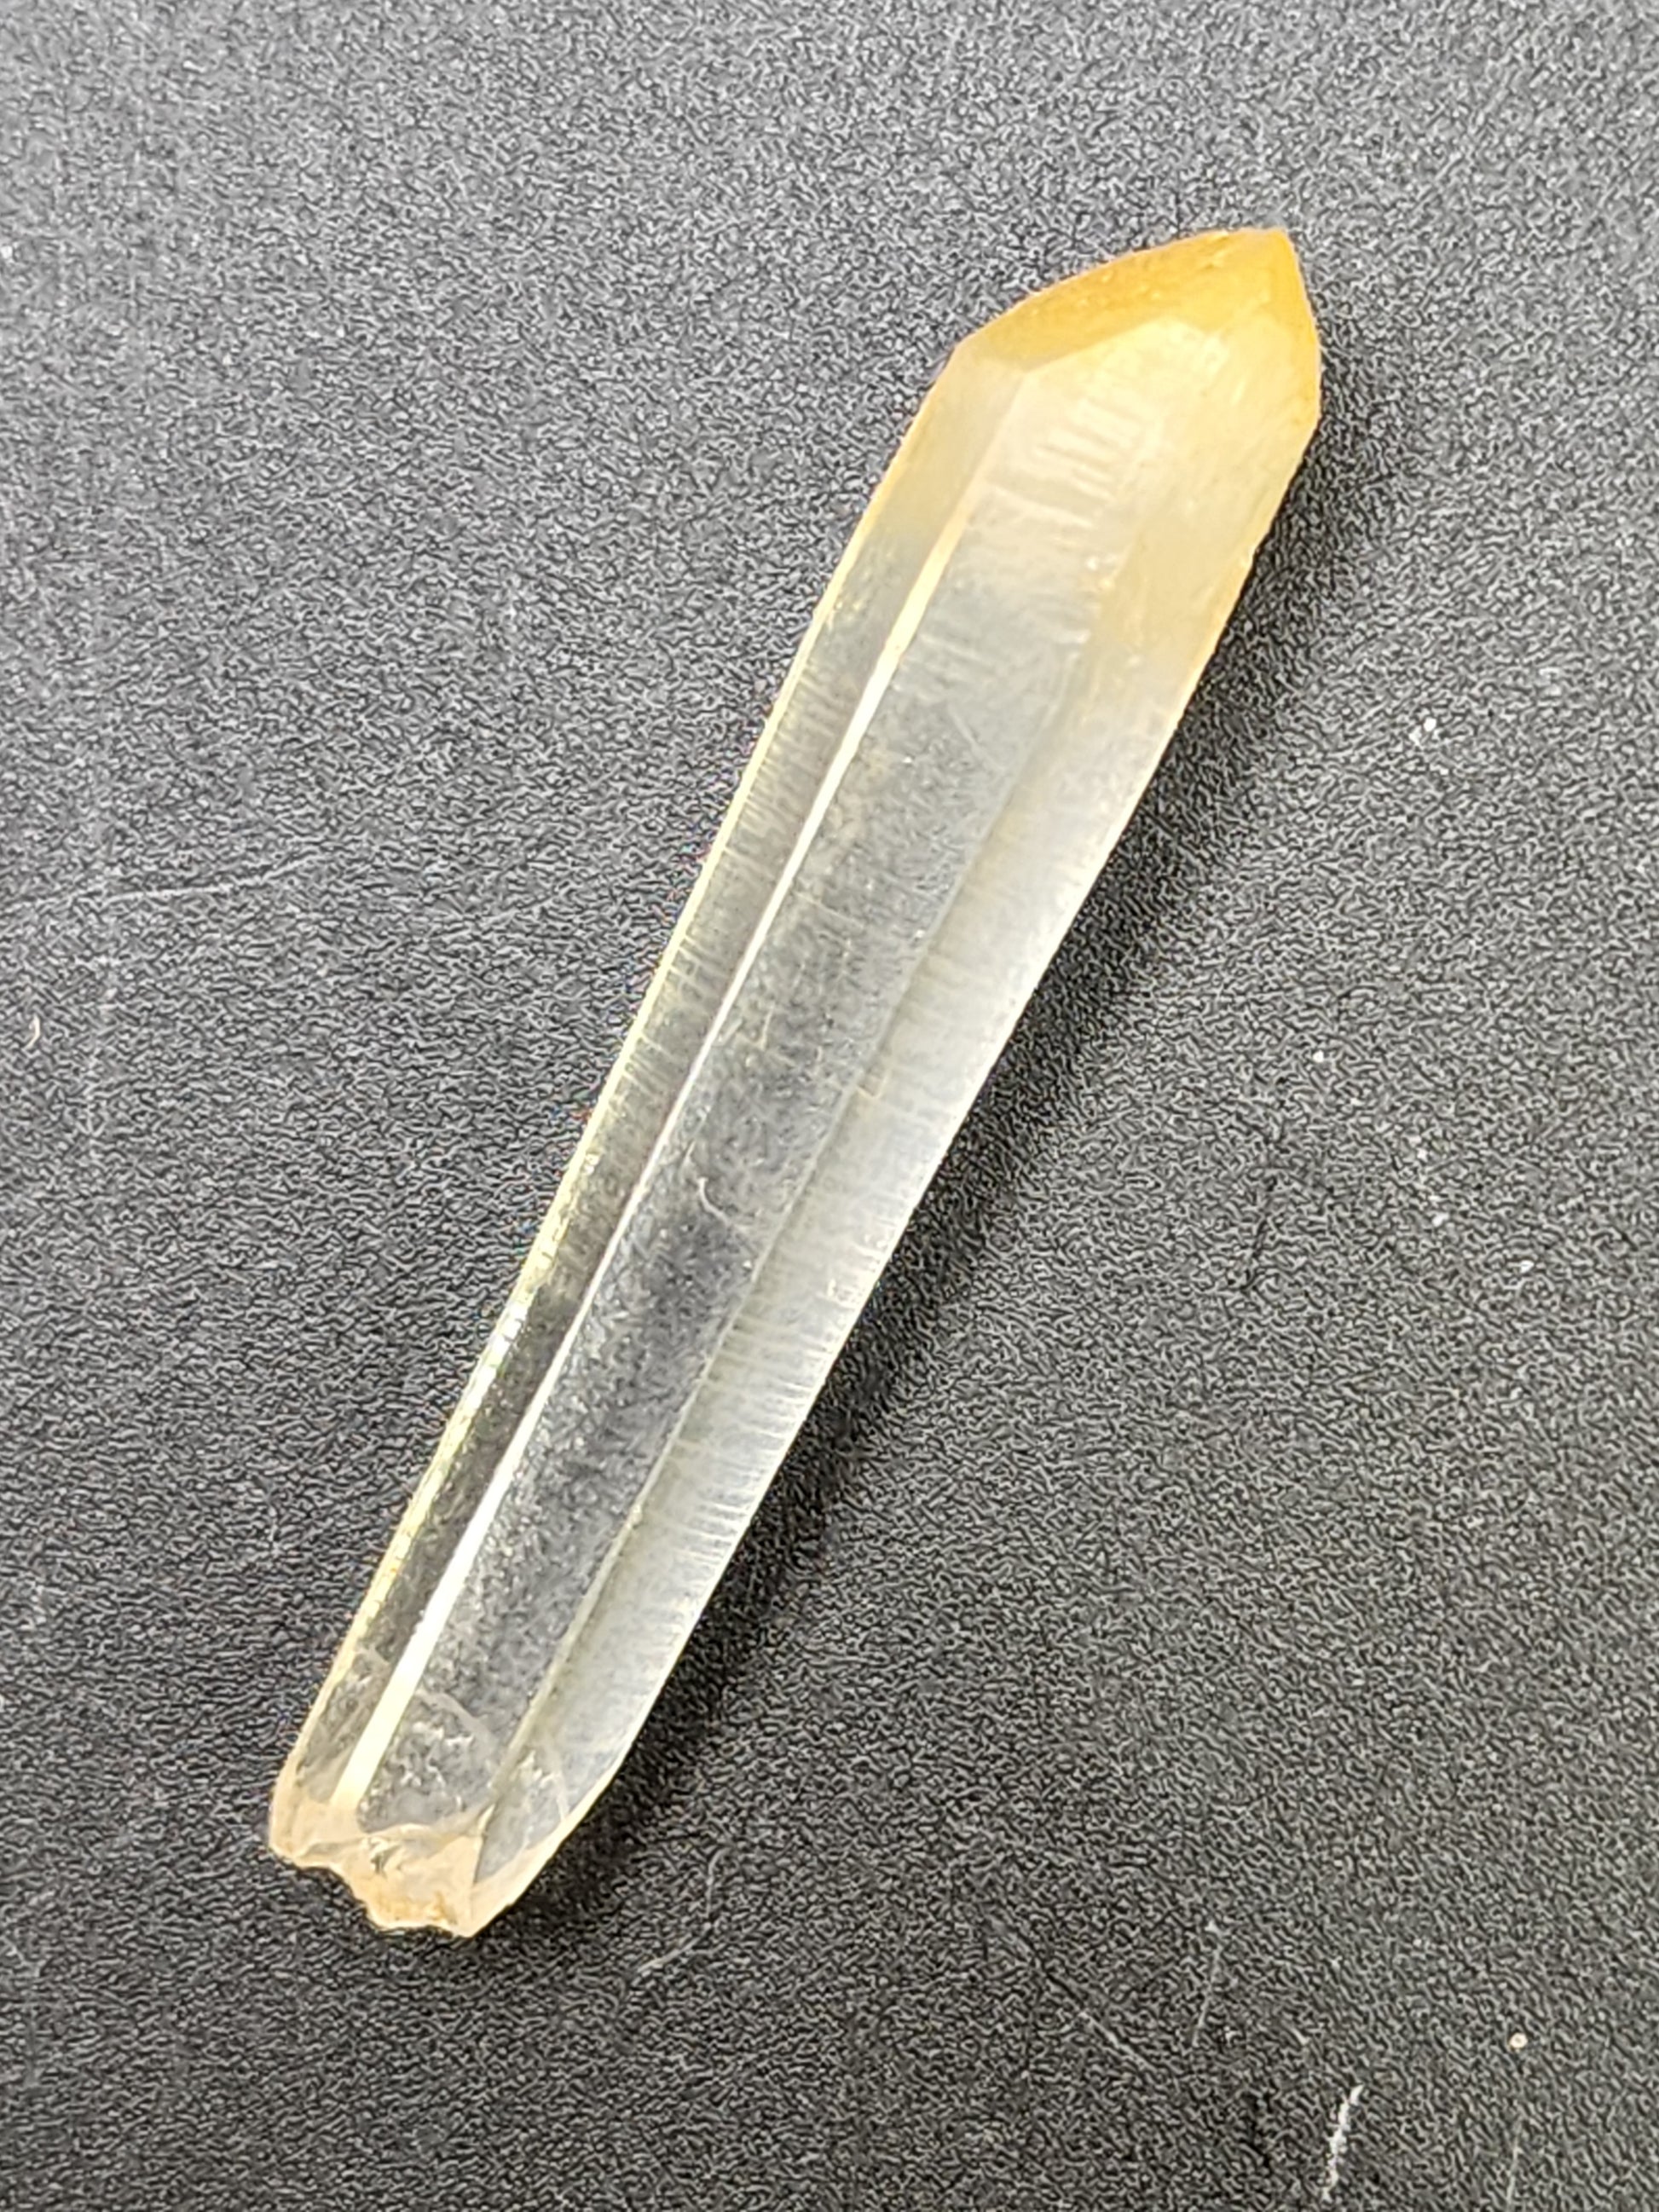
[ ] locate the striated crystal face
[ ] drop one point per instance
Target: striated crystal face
(995, 669)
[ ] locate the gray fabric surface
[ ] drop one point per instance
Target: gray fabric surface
(1197, 1662)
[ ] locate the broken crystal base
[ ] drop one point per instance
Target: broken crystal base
(994, 671)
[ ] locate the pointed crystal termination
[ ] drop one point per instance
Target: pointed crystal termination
(995, 669)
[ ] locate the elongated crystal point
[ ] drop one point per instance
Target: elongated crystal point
(995, 669)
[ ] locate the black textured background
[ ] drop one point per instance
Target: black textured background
(1199, 1660)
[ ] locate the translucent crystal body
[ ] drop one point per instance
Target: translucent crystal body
(994, 671)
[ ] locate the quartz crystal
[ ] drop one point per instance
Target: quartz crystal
(994, 671)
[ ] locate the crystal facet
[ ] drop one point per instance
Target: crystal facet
(991, 679)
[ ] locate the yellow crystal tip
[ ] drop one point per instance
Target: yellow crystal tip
(1209, 280)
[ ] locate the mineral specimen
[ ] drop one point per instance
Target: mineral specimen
(995, 669)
